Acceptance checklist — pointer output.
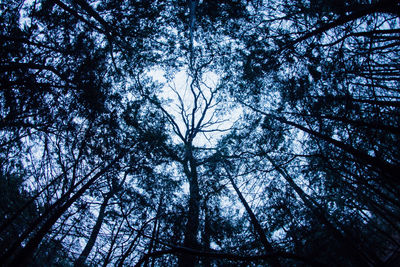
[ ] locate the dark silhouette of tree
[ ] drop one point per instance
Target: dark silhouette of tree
(199, 133)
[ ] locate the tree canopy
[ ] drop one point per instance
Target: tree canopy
(199, 133)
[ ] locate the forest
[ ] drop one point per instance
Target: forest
(199, 133)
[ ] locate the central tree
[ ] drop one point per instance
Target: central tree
(119, 142)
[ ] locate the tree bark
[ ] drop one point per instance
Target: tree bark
(358, 123)
(349, 249)
(26, 253)
(113, 241)
(36, 223)
(389, 171)
(261, 234)
(206, 234)
(95, 232)
(192, 225)
(154, 234)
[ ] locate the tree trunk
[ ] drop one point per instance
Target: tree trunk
(25, 254)
(130, 248)
(206, 235)
(154, 233)
(36, 223)
(192, 225)
(358, 123)
(113, 241)
(95, 232)
(388, 170)
(349, 249)
(267, 245)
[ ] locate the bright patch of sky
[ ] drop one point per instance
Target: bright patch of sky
(24, 7)
(192, 103)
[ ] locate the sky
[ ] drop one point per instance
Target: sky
(178, 97)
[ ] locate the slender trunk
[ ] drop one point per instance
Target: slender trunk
(157, 234)
(153, 237)
(349, 249)
(206, 234)
(154, 232)
(134, 242)
(358, 123)
(36, 223)
(9, 221)
(192, 224)
(388, 170)
(113, 241)
(385, 192)
(261, 234)
(25, 254)
(95, 232)
(383, 103)
(130, 248)
(31, 201)
(385, 6)
(360, 184)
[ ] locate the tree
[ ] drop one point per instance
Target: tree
(199, 133)
(321, 83)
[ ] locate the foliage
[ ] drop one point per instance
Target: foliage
(279, 146)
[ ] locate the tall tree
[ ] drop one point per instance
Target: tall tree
(199, 132)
